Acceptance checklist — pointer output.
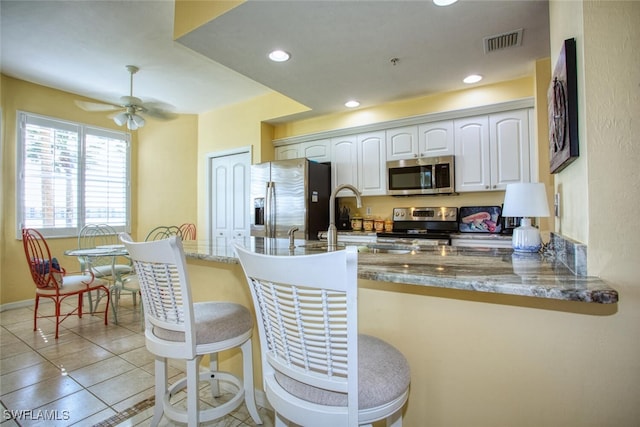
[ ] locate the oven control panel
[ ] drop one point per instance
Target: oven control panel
(425, 214)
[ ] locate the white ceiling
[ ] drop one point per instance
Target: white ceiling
(340, 49)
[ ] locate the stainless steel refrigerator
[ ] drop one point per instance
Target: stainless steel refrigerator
(290, 193)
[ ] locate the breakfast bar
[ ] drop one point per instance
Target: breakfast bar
(467, 319)
(489, 270)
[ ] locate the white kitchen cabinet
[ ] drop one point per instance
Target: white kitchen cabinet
(436, 139)
(285, 152)
(359, 160)
(402, 143)
(344, 162)
(472, 164)
(509, 144)
(492, 151)
(319, 151)
(424, 140)
(371, 165)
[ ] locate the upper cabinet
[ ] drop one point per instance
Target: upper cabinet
(344, 161)
(372, 164)
(493, 146)
(492, 151)
(359, 160)
(402, 143)
(285, 152)
(436, 139)
(424, 140)
(319, 151)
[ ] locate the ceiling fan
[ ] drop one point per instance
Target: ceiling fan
(133, 110)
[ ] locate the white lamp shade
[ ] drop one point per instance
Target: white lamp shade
(133, 121)
(131, 124)
(525, 200)
(120, 118)
(138, 119)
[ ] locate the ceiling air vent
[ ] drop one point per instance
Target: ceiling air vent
(503, 41)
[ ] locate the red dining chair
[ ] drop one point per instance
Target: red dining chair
(162, 232)
(53, 282)
(188, 231)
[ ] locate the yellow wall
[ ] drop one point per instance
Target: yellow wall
(476, 359)
(236, 126)
(191, 14)
(163, 187)
(543, 77)
(566, 22)
(473, 97)
(166, 174)
(18, 95)
(489, 360)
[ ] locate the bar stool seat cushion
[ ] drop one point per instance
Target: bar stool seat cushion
(215, 322)
(383, 375)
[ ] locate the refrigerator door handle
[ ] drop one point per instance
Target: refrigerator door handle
(269, 212)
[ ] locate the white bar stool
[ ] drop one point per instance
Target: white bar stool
(177, 328)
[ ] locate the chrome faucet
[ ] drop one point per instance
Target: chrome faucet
(332, 233)
(291, 232)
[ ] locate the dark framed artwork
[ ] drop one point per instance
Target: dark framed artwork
(562, 99)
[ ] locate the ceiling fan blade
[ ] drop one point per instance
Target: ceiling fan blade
(158, 110)
(130, 100)
(96, 106)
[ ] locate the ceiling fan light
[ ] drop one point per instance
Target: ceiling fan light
(120, 118)
(131, 125)
(138, 120)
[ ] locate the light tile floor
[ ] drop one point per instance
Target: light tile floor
(90, 375)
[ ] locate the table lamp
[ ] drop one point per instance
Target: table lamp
(526, 200)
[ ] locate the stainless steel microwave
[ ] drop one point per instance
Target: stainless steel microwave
(422, 175)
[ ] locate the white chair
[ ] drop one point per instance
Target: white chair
(106, 267)
(317, 371)
(178, 328)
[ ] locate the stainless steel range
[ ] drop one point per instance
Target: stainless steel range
(424, 223)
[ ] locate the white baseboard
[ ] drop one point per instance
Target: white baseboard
(21, 304)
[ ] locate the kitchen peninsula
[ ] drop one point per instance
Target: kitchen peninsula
(491, 270)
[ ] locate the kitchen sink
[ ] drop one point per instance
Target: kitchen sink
(376, 248)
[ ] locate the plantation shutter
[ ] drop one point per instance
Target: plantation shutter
(71, 175)
(105, 178)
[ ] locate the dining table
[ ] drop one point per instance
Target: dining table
(87, 255)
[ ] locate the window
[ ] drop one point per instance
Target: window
(71, 175)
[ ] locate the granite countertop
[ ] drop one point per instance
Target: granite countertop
(481, 236)
(495, 270)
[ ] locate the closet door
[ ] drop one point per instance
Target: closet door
(229, 196)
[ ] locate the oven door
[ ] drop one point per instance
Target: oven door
(405, 177)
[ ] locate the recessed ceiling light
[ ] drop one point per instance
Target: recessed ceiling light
(444, 2)
(279, 56)
(473, 78)
(352, 104)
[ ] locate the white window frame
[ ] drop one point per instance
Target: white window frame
(83, 130)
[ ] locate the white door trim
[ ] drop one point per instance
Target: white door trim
(209, 179)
